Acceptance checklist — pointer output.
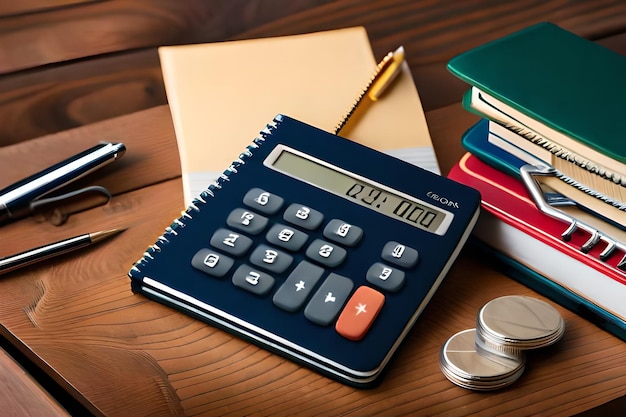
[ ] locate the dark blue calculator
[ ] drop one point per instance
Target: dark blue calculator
(314, 247)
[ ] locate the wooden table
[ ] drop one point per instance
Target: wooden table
(117, 353)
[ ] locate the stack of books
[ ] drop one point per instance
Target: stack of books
(549, 158)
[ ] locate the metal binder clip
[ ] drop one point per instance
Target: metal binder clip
(528, 173)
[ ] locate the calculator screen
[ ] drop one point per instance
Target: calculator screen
(358, 189)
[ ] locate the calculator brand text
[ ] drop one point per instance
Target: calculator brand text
(443, 200)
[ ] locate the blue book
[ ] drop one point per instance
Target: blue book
(476, 141)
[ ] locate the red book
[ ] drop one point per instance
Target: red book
(530, 242)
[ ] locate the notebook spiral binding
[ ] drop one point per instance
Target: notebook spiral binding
(206, 195)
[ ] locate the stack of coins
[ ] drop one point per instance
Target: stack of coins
(491, 356)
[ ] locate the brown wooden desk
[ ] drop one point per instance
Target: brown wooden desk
(119, 354)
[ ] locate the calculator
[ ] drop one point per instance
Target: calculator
(314, 247)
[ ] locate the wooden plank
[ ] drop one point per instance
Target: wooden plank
(21, 395)
(12, 8)
(50, 99)
(37, 103)
(433, 32)
(113, 82)
(91, 28)
(139, 357)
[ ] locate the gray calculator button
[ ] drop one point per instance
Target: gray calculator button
(297, 287)
(230, 242)
(286, 237)
(303, 216)
(252, 280)
(246, 221)
(399, 254)
(385, 277)
(326, 253)
(263, 201)
(212, 263)
(342, 232)
(328, 299)
(271, 259)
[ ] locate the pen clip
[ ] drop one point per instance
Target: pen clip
(17, 200)
(528, 173)
(57, 209)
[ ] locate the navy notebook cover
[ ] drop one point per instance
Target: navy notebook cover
(167, 263)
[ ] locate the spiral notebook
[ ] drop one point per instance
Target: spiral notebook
(314, 247)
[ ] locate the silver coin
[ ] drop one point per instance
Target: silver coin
(515, 322)
(465, 366)
(486, 345)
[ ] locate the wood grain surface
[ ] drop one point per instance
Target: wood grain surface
(120, 354)
(67, 63)
(21, 394)
(123, 355)
(77, 91)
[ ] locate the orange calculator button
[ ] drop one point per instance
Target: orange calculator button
(359, 313)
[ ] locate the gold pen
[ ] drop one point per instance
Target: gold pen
(386, 72)
(20, 260)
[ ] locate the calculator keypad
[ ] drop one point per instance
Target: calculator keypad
(325, 300)
(295, 291)
(263, 201)
(230, 242)
(212, 263)
(247, 221)
(253, 280)
(385, 277)
(303, 216)
(271, 259)
(328, 299)
(286, 237)
(359, 313)
(342, 232)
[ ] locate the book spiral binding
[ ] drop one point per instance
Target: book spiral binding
(588, 190)
(595, 236)
(568, 156)
(203, 198)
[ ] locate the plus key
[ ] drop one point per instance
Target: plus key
(359, 313)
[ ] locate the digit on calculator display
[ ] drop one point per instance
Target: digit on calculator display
(359, 190)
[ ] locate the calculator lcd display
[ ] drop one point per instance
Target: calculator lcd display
(359, 190)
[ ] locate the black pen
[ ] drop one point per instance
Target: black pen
(16, 200)
(13, 262)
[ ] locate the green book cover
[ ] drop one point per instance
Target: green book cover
(563, 81)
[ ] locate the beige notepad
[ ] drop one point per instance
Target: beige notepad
(222, 94)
